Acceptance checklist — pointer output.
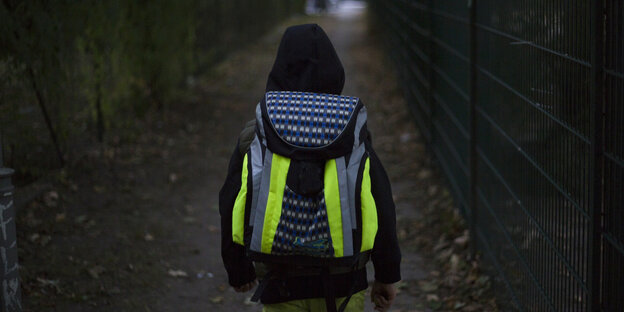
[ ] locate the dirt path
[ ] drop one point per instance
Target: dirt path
(155, 245)
(365, 78)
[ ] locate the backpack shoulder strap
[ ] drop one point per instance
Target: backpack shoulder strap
(246, 136)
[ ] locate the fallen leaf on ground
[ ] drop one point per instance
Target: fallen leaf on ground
(60, 217)
(471, 278)
(458, 305)
(177, 273)
(217, 299)
(89, 224)
(49, 283)
(451, 279)
(432, 190)
(424, 174)
(405, 137)
(432, 297)
(441, 244)
(31, 221)
(45, 239)
(249, 302)
(483, 280)
(34, 237)
(454, 262)
(51, 199)
(401, 285)
(444, 254)
(462, 241)
(148, 237)
(99, 189)
(435, 305)
(473, 308)
(427, 286)
(95, 271)
(173, 177)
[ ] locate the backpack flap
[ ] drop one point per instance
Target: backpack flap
(309, 126)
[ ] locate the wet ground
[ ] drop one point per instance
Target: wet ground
(134, 226)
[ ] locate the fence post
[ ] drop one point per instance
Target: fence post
(10, 296)
(597, 142)
(430, 87)
(472, 5)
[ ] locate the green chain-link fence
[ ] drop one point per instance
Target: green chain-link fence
(522, 102)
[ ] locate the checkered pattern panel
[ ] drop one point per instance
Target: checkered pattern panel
(309, 119)
(303, 228)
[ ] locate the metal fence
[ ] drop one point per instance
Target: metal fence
(10, 293)
(522, 102)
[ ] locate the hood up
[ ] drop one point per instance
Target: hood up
(306, 61)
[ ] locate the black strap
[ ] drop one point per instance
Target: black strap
(262, 286)
(350, 294)
(360, 262)
(330, 296)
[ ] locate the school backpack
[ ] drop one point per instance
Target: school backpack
(305, 194)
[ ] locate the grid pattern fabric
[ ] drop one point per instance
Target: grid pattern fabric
(303, 228)
(309, 119)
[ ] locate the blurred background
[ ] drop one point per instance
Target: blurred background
(500, 124)
(72, 72)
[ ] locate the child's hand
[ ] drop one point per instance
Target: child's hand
(247, 287)
(382, 295)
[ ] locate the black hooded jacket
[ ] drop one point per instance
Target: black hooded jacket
(306, 61)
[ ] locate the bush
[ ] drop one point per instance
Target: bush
(70, 70)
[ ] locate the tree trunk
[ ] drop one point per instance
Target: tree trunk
(98, 105)
(46, 116)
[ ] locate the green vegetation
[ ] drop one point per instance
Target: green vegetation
(70, 71)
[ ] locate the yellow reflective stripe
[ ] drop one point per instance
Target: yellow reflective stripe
(369, 211)
(238, 213)
(279, 171)
(332, 202)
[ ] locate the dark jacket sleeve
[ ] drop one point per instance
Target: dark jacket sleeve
(239, 268)
(386, 255)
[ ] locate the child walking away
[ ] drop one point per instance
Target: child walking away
(306, 202)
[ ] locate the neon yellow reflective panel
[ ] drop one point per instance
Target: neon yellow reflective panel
(369, 211)
(279, 171)
(238, 213)
(332, 202)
